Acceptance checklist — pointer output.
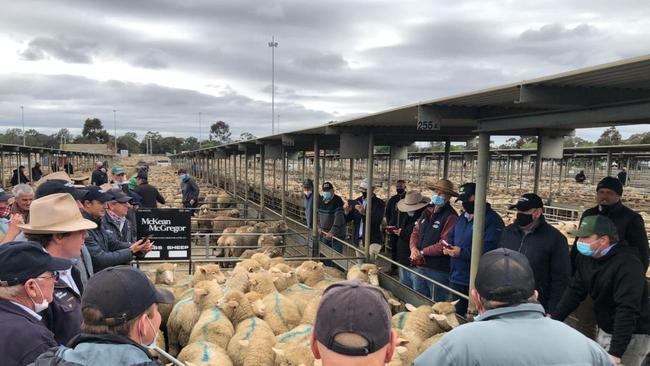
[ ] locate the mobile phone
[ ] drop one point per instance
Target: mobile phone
(146, 237)
(446, 245)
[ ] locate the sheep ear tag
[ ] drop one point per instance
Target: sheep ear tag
(410, 307)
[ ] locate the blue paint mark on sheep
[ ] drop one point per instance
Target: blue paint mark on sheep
(179, 305)
(216, 315)
(206, 354)
(253, 325)
(278, 310)
(401, 318)
(294, 334)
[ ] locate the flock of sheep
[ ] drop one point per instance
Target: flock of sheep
(261, 313)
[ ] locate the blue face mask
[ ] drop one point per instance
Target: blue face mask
(183, 177)
(585, 249)
(327, 195)
(437, 200)
(411, 213)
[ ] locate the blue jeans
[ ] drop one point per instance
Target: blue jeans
(406, 278)
(461, 307)
(427, 288)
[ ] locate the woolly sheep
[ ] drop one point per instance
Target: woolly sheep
(283, 276)
(253, 340)
(238, 280)
(255, 298)
(213, 326)
(274, 253)
(268, 240)
(294, 354)
(281, 314)
(430, 342)
(263, 259)
(204, 354)
(300, 294)
(222, 242)
(208, 272)
(310, 273)
(423, 322)
(309, 312)
(247, 266)
(366, 272)
(406, 349)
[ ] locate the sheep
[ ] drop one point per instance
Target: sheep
(253, 340)
(263, 259)
(310, 273)
(255, 298)
(238, 281)
(223, 242)
(204, 354)
(276, 227)
(268, 240)
(300, 294)
(283, 276)
(165, 279)
(299, 334)
(274, 253)
(425, 321)
(224, 200)
(223, 220)
(186, 313)
(406, 349)
(213, 326)
(247, 266)
(448, 310)
(366, 272)
(309, 311)
(334, 273)
(208, 272)
(430, 342)
(294, 354)
(281, 314)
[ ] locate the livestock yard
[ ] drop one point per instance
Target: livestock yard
(250, 243)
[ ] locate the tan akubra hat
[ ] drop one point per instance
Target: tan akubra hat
(444, 185)
(56, 213)
(56, 175)
(413, 201)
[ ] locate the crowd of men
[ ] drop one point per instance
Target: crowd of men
(67, 293)
(601, 279)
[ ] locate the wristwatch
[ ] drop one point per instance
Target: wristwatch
(422, 253)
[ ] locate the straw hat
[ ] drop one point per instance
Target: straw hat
(56, 213)
(413, 201)
(445, 186)
(56, 175)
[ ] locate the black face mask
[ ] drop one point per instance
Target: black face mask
(364, 194)
(468, 207)
(400, 191)
(524, 219)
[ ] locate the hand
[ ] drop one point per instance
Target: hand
(138, 246)
(15, 220)
(148, 246)
(414, 255)
(361, 209)
(397, 231)
(615, 360)
(329, 236)
(452, 252)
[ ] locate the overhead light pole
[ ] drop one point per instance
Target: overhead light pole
(273, 44)
(200, 133)
(22, 118)
(115, 129)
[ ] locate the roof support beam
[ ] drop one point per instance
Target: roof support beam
(553, 96)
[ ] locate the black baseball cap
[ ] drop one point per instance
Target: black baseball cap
(53, 186)
(22, 260)
(327, 186)
(121, 293)
(505, 275)
(97, 194)
(528, 201)
(4, 195)
(466, 191)
(307, 183)
(353, 307)
(119, 195)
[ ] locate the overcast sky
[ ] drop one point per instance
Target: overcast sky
(159, 63)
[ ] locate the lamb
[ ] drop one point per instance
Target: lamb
(276, 227)
(310, 273)
(223, 242)
(204, 354)
(283, 276)
(293, 354)
(263, 259)
(309, 311)
(255, 298)
(268, 240)
(223, 220)
(214, 327)
(366, 272)
(281, 314)
(186, 313)
(299, 334)
(247, 266)
(274, 253)
(425, 321)
(238, 280)
(334, 273)
(300, 294)
(208, 272)
(253, 340)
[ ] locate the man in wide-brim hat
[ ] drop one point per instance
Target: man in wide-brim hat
(428, 240)
(58, 226)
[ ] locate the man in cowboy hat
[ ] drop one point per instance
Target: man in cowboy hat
(410, 209)
(428, 239)
(393, 217)
(357, 214)
(544, 246)
(460, 242)
(57, 225)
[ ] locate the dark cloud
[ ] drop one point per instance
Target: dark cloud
(73, 51)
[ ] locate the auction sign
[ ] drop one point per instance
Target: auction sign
(170, 231)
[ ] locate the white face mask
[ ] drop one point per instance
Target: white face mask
(43, 305)
(153, 341)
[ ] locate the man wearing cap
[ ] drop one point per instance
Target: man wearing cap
(190, 189)
(27, 277)
(57, 225)
(19, 176)
(331, 218)
(353, 326)
(410, 210)
(610, 272)
(118, 175)
(150, 195)
(99, 176)
(120, 321)
(393, 218)
(460, 242)
(115, 220)
(428, 240)
(511, 328)
(357, 214)
(629, 224)
(9, 223)
(545, 247)
(308, 189)
(104, 250)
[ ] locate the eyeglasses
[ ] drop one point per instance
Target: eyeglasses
(55, 275)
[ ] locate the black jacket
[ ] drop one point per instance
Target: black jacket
(22, 337)
(378, 208)
(547, 251)
(104, 250)
(190, 191)
(63, 316)
(98, 178)
(36, 173)
(406, 223)
(630, 227)
(617, 284)
(127, 234)
(14, 178)
(150, 196)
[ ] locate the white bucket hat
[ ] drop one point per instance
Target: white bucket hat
(413, 201)
(56, 213)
